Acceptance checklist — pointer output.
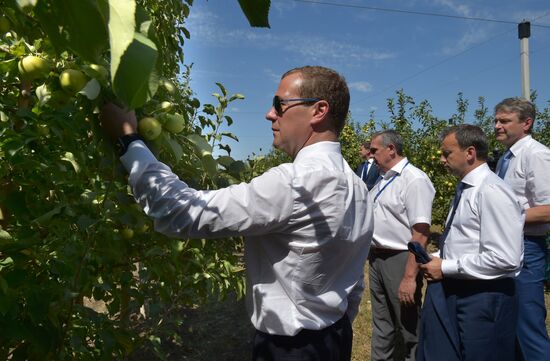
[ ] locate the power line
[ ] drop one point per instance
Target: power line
(412, 12)
(438, 63)
(431, 67)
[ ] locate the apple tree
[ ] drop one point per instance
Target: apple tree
(80, 265)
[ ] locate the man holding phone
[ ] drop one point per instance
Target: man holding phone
(470, 309)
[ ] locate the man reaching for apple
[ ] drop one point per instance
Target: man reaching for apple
(307, 224)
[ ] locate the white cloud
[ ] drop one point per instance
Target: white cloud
(458, 7)
(314, 49)
(361, 86)
(205, 27)
(469, 39)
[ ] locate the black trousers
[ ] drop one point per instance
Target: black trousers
(329, 344)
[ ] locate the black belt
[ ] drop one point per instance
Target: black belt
(471, 286)
(385, 251)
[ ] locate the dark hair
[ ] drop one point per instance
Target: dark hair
(326, 84)
(366, 144)
(523, 107)
(468, 135)
(388, 137)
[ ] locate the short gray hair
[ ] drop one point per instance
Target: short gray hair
(388, 137)
(523, 107)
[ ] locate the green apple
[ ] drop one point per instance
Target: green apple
(32, 67)
(169, 86)
(149, 128)
(72, 80)
(4, 25)
(174, 123)
(99, 72)
(42, 129)
(165, 106)
(127, 233)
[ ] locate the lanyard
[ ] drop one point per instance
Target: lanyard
(387, 184)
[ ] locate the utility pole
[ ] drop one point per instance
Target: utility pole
(524, 32)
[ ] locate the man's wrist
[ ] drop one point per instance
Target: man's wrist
(123, 142)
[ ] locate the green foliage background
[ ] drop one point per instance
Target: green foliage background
(79, 263)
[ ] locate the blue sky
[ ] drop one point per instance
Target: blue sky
(378, 52)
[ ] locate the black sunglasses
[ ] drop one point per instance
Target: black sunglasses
(278, 103)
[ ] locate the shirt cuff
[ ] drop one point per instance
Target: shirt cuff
(449, 267)
(136, 158)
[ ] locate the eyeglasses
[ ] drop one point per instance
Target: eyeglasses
(373, 150)
(278, 102)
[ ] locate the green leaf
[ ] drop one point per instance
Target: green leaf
(210, 165)
(202, 147)
(121, 30)
(222, 88)
(230, 135)
(256, 11)
(228, 119)
(225, 160)
(69, 157)
(77, 25)
(236, 96)
(8, 65)
(135, 80)
(175, 147)
(46, 217)
(4, 285)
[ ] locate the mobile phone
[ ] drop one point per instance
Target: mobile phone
(419, 252)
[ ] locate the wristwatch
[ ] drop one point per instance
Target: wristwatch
(122, 143)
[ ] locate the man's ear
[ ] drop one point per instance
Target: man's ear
(320, 112)
(528, 126)
(471, 154)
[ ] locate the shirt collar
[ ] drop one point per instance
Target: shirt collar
(473, 178)
(315, 149)
(396, 169)
(516, 147)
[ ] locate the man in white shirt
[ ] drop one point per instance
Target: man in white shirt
(473, 314)
(526, 168)
(307, 224)
(402, 201)
(368, 170)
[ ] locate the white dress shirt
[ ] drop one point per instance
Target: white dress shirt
(366, 168)
(404, 198)
(529, 176)
(307, 227)
(485, 240)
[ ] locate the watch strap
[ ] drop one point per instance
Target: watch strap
(123, 142)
